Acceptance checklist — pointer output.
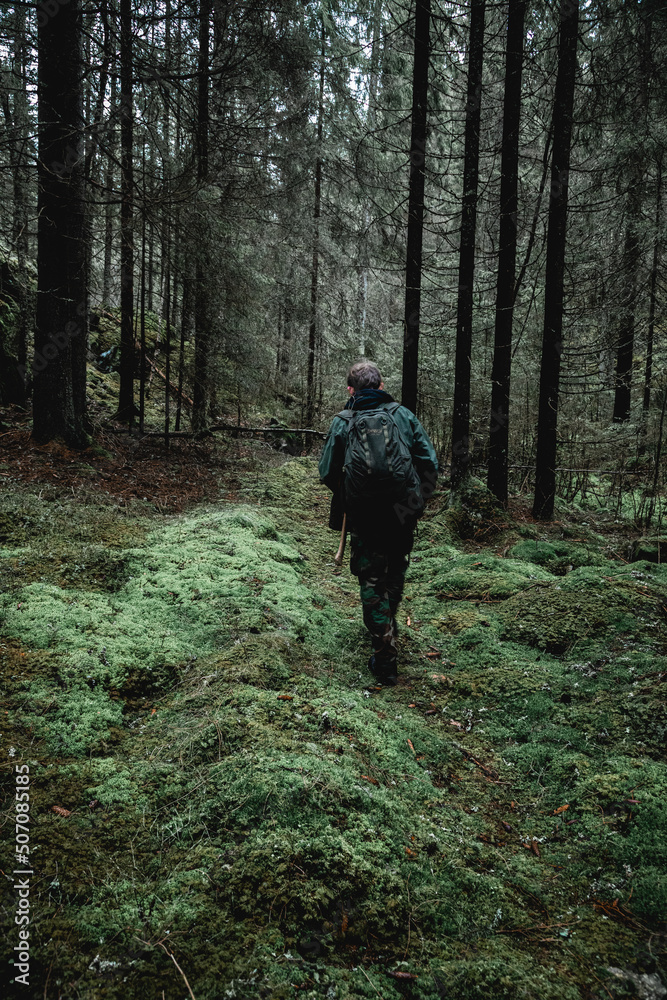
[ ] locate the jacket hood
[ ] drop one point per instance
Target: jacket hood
(368, 399)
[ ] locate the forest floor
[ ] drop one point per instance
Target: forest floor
(223, 806)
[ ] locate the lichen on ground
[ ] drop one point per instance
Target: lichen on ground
(192, 690)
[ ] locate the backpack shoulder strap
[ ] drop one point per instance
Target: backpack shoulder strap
(345, 415)
(391, 408)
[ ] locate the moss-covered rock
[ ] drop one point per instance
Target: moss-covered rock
(474, 512)
(482, 576)
(576, 612)
(559, 557)
(652, 550)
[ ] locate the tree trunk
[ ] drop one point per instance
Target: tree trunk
(502, 355)
(167, 346)
(632, 242)
(371, 121)
(151, 245)
(286, 333)
(19, 162)
(202, 333)
(314, 274)
(648, 375)
(461, 414)
(413, 264)
(108, 208)
(186, 318)
(537, 212)
(126, 408)
(187, 324)
(167, 230)
(629, 271)
(552, 339)
(92, 172)
(281, 342)
(60, 247)
(142, 299)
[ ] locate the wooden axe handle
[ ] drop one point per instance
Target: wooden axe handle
(338, 558)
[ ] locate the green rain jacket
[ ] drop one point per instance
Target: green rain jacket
(414, 435)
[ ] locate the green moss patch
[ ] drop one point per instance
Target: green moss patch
(479, 576)
(231, 791)
(473, 512)
(578, 610)
(559, 557)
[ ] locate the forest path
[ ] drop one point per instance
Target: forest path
(190, 691)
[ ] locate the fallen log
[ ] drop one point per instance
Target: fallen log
(268, 430)
(234, 428)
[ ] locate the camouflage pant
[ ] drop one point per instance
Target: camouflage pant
(381, 580)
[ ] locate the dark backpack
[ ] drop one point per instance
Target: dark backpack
(381, 485)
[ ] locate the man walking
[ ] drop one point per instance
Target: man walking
(380, 465)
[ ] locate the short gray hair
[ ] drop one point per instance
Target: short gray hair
(364, 375)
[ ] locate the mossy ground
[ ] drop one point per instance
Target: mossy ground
(193, 690)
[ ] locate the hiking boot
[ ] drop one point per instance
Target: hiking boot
(388, 678)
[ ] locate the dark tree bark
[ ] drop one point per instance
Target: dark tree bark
(167, 348)
(502, 355)
(282, 354)
(280, 339)
(286, 319)
(546, 156)
(371, 122)
(314, 273)
(413, 264)
(108, 208)
(629, 271)
(151, 248)
(92, 173)
(185, 266)
(202, 333)
(126, 407)
(19, 164)
(94, 124)
(648, 374)
(142, 300)
(61, 294)
(632, 242)
(187, 325)
(167, 220)
(461, 414)
(552, 339)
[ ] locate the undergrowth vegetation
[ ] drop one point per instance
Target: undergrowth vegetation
(191, 693)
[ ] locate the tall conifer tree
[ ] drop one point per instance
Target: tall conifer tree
(413, 266)
(61, 300)
(505, 286)
(464, 313)
(552, 339)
